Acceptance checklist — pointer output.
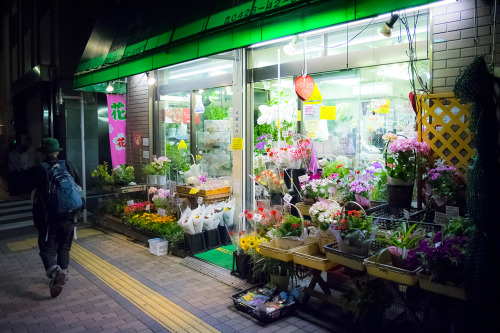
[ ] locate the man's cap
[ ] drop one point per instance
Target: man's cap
(49, 145)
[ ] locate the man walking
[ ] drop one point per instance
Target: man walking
(55, 228)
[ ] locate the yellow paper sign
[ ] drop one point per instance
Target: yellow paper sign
(194, 190)
(384, 108)
(299, 115)
(328, 112)
(312, 125)
(238, 144)
(315, 97)
(278, 123)
(198, 157)
(182, 145)
(311, 135)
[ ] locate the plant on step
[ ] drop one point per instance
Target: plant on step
(292, 226)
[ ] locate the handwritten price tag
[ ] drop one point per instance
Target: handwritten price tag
(452, 211)
(148, 208)
(266, 193)
(441, 218)
(161, 211)
(194, 190)
(287, 198)
(179, 201)
(200, 200)
(303, 178)
(130, 202)
(257, 217)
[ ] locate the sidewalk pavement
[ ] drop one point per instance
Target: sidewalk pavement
(116, 285)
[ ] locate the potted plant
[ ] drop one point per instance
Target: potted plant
(150, 171)
(274, 184)
(444, 186)
(402, 157)
(122, 174)
(279, 272)
(101, 174)
(354, 233)
(288, 233)
(161, 164)
(324, 214)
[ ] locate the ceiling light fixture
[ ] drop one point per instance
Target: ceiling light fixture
(109, 88)
(151, 79)
(289, 48)
(386, 28)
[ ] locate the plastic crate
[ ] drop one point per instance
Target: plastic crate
(264, 317)
(388, 218)
(158, 246)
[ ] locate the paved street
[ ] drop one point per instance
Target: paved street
(117, 285)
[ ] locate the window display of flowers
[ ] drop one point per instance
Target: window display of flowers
(163, 198)
(444, 185)
(272, 181)
(138, 207)
(164, 226)
(355, 229)
(401, 242)
(325, 213)
(403, 155)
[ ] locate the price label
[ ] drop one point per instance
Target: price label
(303, 178)
(287, 198)
(257, 217)
(238, 144)
(200, 200)
(130, 202)
(179, 201)
(161, 212)
(148, 208)
(406, 213)
(194, 190)
(311, 135)
(452, 211)
(441, 218)
(266, 193)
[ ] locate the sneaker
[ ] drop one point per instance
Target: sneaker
(57, 282)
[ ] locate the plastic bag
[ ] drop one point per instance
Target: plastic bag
(218, 212)
(185, 222)
(208, 217)
(198, 219)
(229, 213)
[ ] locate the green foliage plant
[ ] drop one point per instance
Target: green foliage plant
(292, 226)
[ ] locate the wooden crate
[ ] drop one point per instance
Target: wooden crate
(310, 256)
(384, 269)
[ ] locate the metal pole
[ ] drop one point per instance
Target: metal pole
(82, 131)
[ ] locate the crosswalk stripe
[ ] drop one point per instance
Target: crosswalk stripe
(16, 225)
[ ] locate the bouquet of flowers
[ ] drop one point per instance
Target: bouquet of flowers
(444, 184)
(324, 213)
(267, 220)
(272, 181)
(403, 156)
(250, 243)
(163, 199)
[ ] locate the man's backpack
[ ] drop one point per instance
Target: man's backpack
(63, 193)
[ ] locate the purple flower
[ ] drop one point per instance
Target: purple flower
(263, 136)
(261, 145)
(315, 176)
(377, 165)
(203, 178)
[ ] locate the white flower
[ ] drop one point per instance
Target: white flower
(111, 128)
(120, 141)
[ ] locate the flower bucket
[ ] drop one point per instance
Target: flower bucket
(152, 180)
(276, 198)
(241, 264)
(162, 180)
(399, 196)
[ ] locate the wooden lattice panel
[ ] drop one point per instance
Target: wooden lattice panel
(444, 124)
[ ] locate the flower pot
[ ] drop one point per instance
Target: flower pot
(152, 180)
(224, 235)
(287, 176)
(280, 281)
(162, 180)
(196, 243)
(276, 198)
(212, 239)
(399, 193)
(309, 201)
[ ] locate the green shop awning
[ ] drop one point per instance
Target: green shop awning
(139, 37)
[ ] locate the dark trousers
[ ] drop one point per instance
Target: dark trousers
(55, 244)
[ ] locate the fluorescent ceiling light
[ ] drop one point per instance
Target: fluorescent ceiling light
(201, 71)
(173, 98)
(269, 42)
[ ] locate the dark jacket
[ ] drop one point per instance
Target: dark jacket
(40, 183)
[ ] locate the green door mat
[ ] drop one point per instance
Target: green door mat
(221, 256)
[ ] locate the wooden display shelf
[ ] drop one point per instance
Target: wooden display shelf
(184, 190)
(125, 189)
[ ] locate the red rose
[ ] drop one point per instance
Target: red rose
(261, 209)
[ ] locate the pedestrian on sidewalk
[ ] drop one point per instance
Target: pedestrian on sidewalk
(55, 228)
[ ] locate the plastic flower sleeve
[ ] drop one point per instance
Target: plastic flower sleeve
(185, 222)
(229, 213)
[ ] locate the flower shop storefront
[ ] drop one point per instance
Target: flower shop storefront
(297, 156)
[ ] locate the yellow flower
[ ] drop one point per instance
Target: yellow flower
(244, 246)
(251, 239)
(243, 242)
(257, 249)
(251, 244)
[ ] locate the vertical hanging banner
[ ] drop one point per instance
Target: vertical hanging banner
(117, 118)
